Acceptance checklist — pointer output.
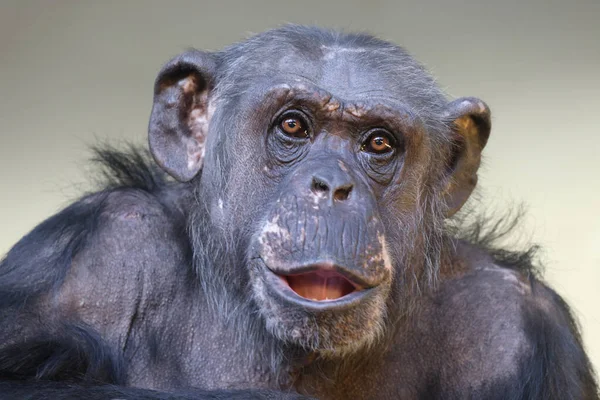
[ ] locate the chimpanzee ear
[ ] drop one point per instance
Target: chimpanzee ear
(180, 114)
(470, 121)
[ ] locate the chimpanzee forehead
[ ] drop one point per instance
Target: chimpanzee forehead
(347, 73)
(353, 73)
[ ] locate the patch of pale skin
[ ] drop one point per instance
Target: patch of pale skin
(511, 277)
(385, 255)
(343, 166)
(198, 123)
(332, 106)
(328, 102)
(316, 198)
(466, 103)
(195, 153)
(480, 105)
(540, 296)
(357, 111)
(272, 227)
(188, 84)
(302, 234)
(221, 204)
(332, 52)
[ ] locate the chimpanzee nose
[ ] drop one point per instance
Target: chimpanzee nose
(333, 184)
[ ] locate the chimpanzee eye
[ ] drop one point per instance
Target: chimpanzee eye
(294, 125)
(378, 142)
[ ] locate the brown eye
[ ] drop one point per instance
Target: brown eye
(378, 143)
(294, 126)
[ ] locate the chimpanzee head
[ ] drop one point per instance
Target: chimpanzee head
(324, 167)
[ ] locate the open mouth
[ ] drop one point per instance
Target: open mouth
(320, 285)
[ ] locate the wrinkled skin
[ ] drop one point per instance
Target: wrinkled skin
(302, 249)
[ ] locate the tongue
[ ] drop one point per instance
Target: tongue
(315, 286)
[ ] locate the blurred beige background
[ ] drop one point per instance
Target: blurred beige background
(72, 72)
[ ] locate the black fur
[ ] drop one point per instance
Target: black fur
(555, 349)
(74, 353)
(130, 168)
(491, 233)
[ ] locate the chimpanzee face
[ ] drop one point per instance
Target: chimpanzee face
(331, 164)
(319, 186)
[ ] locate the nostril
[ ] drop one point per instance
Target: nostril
(342, 193)
(335, 191)
(319, 187)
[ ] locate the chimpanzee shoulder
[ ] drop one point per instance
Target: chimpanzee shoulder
(87, 266)
(499, 328)
(131, 192)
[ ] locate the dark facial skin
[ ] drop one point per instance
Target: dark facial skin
(319, 209)
(325, 220)
(306, 246)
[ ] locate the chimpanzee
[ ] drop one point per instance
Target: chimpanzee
(303, 242)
